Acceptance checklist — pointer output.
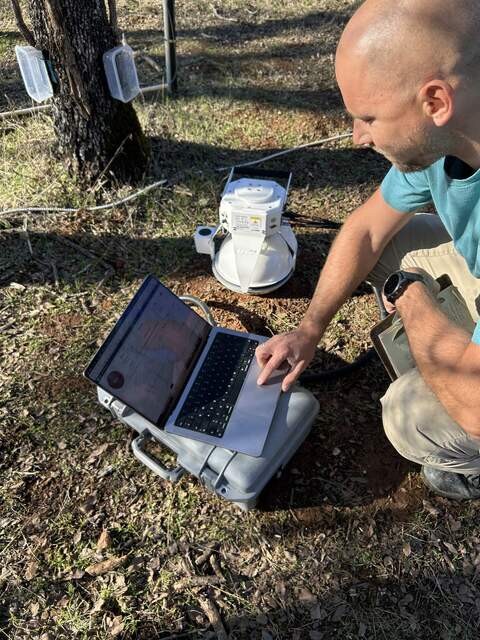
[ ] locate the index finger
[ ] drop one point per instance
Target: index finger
(274, 363)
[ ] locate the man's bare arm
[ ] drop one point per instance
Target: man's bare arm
(445, 356)
(354, 253)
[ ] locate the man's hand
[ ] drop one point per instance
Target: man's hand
(294, 349)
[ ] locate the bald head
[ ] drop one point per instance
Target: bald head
(409, 73)
(407, 42)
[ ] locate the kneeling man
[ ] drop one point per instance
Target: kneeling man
(409, 73)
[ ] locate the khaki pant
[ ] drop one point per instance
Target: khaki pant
(414, 420)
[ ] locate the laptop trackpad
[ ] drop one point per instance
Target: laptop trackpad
(253, 413)
(276, 377)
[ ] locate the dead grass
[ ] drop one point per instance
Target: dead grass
(347, 543)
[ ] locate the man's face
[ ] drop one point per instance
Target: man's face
(387, 120)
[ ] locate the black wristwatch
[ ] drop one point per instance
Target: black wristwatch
(397, 282)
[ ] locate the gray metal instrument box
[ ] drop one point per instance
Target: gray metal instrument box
(236, 477)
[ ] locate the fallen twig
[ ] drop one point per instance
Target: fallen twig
(86, 252)
(110, 564)
(55, 273)
(6, 326)
(219, 15)
(203, 557)
(208, 36)
(27, 237)
(216, 566)
(197, 581)
(210, 608)
(143, 56)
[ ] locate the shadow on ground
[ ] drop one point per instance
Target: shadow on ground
(442, 605)
(85, 258)
(316, 167)
(346, 460)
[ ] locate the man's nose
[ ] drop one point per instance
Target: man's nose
(361, 134)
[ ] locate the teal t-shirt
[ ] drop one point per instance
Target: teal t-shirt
(456, 199)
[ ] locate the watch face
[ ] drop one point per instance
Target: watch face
(391, 284)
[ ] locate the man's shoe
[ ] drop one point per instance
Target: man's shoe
(452, 485)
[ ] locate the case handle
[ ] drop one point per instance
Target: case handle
(173, 475)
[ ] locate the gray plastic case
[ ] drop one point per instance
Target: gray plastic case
(237, 477)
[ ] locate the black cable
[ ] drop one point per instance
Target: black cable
(301, 221)
(316, 224)
(333, 374)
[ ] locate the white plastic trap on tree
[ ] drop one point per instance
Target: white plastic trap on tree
(34, 73)
(258, 251)
(121, 72)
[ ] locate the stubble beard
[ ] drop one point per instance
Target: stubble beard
(419, 152)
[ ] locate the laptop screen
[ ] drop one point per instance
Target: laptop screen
(148, 355)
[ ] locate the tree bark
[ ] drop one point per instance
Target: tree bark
(96, 134)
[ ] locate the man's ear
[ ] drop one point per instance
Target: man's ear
(437, 99)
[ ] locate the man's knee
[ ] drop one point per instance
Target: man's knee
(397, 417)
(421, 430)
(410, 410)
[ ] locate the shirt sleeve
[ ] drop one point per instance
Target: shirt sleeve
(476, 334)
(406, 192)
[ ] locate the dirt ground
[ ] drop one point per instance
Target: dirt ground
(347, 542)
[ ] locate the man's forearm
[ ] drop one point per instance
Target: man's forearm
(438, 346)
(350, 260)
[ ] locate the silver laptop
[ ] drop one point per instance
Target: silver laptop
(169, 365)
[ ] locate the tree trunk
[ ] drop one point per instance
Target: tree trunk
(96, 134)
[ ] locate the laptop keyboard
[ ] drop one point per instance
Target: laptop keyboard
(212, 397)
